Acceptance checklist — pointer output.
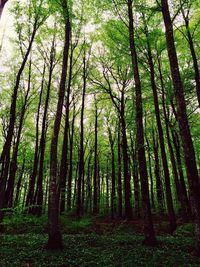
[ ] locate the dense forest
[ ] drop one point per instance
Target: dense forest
(100, 113)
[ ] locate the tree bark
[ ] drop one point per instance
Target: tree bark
(149, 233)
(79, 208)
(2, 4)
(119, 188)
(64, 158)
(55, 238)
(189, 153)
(113, 187)
(31, 188)
(39, 189)
(170, 206)
(5, 155)
(95, 177)
(14, 164)
(159, 188)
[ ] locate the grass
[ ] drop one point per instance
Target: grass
(86, 244)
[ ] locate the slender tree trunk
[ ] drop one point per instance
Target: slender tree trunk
(194, 56)
(187, 214)
(5, 155)
(150, 238)
(170, 207)
(95, 178)
(159, 188)
(107, 188)
(181, 194)
(113, 187)
(31, 189)
(150, 175)
(79, 208)
(89, 187)
(39, 190)
(69, 184)
(19, 184)
(2, 4)
(14, 164)
(189, 153)
(119, 189)
(64, 159)
(55, 238)
(135, 179)
(127, 177)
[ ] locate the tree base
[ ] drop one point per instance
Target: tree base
(150, 242)
(195, 253)
(55, 242)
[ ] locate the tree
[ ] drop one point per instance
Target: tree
(55, 239)
(148, 223)
(189, 153)
(2, 4)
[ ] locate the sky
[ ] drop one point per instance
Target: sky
(6, 29)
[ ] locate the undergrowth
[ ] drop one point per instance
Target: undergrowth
(91, 242)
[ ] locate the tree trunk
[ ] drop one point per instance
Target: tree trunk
(95, 178)
(148, 223)
(159, 188)
(55, 238)
(170, 207)
(79, 208)
(39, 190)
(135, 179)
(194, 56)
(113, 187)
(187, 214)
(189, 153)
(2, 4)
(14, 164)
(19, 183)
(64, 159)
(69, 184)
(119, 189)
(127, 177)
(5, 155)
(150, 175)
(31, 189)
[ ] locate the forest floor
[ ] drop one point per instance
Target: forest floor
(93, 242)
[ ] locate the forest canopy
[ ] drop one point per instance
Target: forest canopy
(100, 112)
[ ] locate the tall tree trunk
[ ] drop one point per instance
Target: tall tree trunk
(181, 194)
(5, 155)
(69, 184)
(39, 189)
(107, 188)
(19, 183)
(119, 188)
(189, 153)
(31, 189)
(127, 177)
(194, 56)
(79, 208)
(135, 179)
(150, 174)
(89, 187)
(55, 238)
(2, 4)
(159, 188)
(183, 190)
(150, 238)
(14, 164)
(64, 158)
(95, 178)
(113, 187)
(170, 207)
